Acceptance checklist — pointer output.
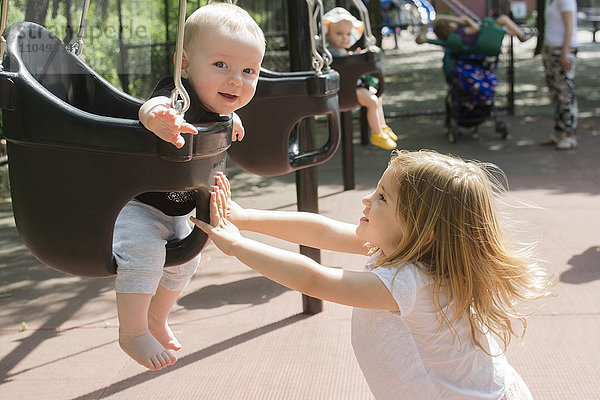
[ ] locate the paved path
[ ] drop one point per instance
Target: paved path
(245, 337)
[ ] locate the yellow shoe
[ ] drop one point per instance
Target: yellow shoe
(382, 140)
(387, 130)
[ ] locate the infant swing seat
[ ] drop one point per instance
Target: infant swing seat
(282, 100)
(78, 153)
(351, 69)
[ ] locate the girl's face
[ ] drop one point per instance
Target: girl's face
(381, 225)
(339, 34)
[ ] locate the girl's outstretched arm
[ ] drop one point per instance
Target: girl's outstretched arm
(298, 272)
(307, 229)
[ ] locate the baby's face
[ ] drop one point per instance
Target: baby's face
(339, 34)
(223, 69)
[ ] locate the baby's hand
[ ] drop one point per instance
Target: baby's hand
(168, 125)
(222, 231)
(238, 129)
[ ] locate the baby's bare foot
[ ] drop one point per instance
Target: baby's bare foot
(147, 351)
(163, 333)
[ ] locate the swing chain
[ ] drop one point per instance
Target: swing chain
(458, 8)
(317, 61)
(318, 23)
(76, 45)
(370, 40)
(181, 106)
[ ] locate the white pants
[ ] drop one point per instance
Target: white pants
(139, 239)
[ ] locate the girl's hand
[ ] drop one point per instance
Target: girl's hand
(168, 125)
(223, 232)
(235, 213)
(238, 131)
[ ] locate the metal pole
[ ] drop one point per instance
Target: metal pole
(511, 78)
(347, 134)
(347, 150)
(306, 179)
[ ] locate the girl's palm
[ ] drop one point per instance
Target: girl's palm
(221, 230)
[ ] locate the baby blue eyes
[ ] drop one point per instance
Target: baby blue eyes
(221, 64)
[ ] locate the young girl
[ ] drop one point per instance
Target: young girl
(441, 284)
(342, 30)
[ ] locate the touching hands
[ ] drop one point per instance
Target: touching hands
(223, 210)
(235, 213)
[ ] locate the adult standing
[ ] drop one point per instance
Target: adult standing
(559, 55)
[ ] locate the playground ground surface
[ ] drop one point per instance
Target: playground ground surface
(245, 337)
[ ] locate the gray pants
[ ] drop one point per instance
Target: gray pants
(141, 232)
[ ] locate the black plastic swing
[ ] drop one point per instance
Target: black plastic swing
(351, 68)
(282, 100)
(77, 153)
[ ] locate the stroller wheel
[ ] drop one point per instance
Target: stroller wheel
(452, 131)
(451, 137)
(502, 128)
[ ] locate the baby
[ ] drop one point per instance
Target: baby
(342, 31)
(222, 53)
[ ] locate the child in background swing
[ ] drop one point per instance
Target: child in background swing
(342, 30)
(222, 53)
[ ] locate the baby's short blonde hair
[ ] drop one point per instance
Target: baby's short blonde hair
(224, 17)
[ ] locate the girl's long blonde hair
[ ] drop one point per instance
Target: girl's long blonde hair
(452, 229)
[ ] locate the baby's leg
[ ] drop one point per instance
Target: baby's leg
(370, 102)
(158, 313)
(174, 279)
(510, 26)
(134, 337)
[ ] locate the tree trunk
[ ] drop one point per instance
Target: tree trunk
(123, 52)
(70, 30)
(36, 11)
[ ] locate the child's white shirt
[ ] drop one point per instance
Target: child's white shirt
(405, 355)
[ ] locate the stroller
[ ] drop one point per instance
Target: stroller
(471, 79)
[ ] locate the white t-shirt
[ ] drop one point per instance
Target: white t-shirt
(554, 26)
(403, 356)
